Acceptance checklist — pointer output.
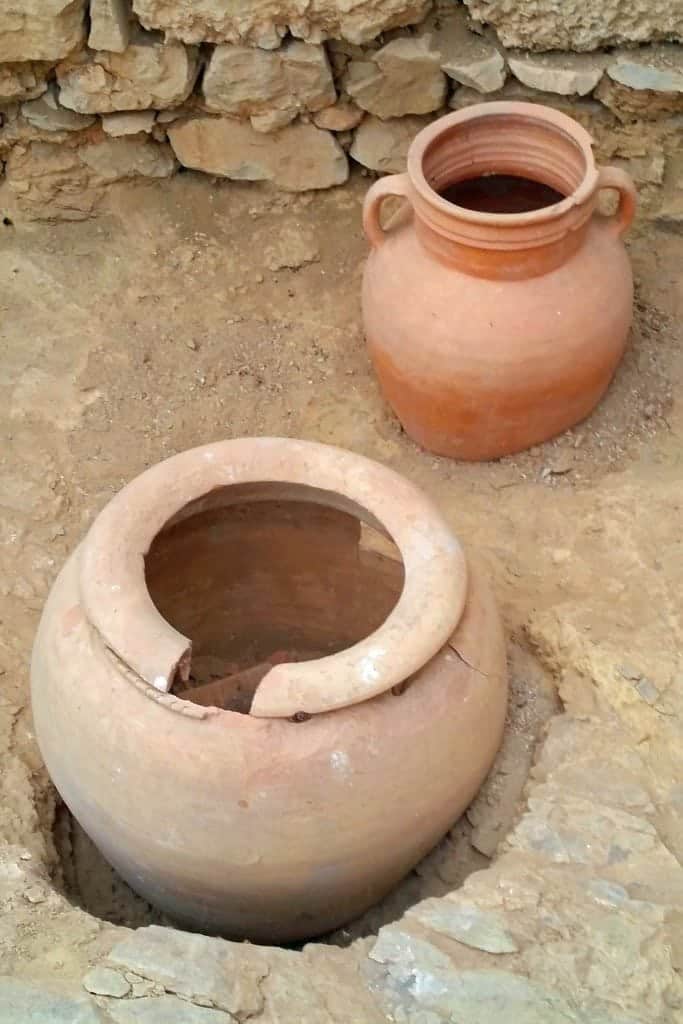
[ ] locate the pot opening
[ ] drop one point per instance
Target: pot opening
(259, 575)
(504, 164)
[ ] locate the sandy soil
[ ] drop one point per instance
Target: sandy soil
(193, 311)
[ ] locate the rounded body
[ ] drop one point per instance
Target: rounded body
(489, 332)
(268, 828)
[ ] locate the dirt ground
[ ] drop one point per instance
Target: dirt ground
(193, 311)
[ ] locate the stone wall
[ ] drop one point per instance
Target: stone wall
(108, 90)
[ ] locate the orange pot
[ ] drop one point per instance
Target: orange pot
(493, 331)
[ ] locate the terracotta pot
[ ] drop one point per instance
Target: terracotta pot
(288, 820)
(491, 332)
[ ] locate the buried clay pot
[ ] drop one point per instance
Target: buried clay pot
(341, 698)
(498, 304)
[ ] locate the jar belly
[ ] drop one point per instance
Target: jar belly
(478, 368)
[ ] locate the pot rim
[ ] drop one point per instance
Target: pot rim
(533, 112)
(118, 605)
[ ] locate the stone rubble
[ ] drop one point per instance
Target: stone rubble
(44, 30)
(403, 77)
(465, 56)
(564, 73)
(111, 23)
(22, 81)
(47, 114)
(383, 145)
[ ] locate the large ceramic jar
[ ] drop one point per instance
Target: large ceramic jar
(497, 307)
(305, 793)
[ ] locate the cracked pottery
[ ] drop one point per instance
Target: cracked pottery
(356, 662)
(493, 331)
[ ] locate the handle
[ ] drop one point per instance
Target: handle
(615, 178)
(392, 185)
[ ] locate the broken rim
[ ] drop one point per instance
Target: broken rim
(118, 605)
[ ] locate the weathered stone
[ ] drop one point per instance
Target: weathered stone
(297, 158)
(383, 145)
(403, 77)
(110, 25)
(578, 24)
(480, 929)
(46, 113)
(40, 29)
(466, 57)
(117, 125)
(646, 83)
(670, 211)
(269, 87)
(227, 974)
(394, 945)
(51, 180)
(564, 73)
(261, 21)
(165, 1010)
(342, 117)
(104, 981)
(22, 81)
(22, 1001)
(149, 73)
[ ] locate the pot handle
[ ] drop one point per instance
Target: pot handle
(615, 178)
(392, 185)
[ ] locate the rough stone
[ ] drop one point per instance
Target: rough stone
(269, 87)
(297, 158)
(644, 84)
(46, 113)
(467, 57)
(228, 974)
(383, 145)
(261, 21)
(342, 117)
(403, 77)
(22, 1001)
(22, 81)
(670, 208)
(50, 180)
(40, 29)
(394, 945)
(110, 25)
(149, 73)
(480, 929)
(578, 24)
(117, 125)
(165, 1010)
(103, 981)
(564, 73)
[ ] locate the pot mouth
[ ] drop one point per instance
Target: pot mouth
(117, 602)
(523, 140)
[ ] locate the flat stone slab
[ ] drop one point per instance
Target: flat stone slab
(22, 1002)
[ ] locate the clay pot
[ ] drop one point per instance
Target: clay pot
(234, 784)
(493, 331)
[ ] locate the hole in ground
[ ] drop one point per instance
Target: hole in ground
(88, 881)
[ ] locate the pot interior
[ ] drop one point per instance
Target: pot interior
(264, 574)
(504, 164)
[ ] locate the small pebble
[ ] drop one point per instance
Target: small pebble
(35, 894)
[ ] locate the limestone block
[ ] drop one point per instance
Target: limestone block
(383, 145)
(404, 77)
(118, 125)
(466, 56)
(149, 73)
(564, 73)
(40, 29)
(269, 86)
(580, 24)
(264, 22)
(297, 158)
(110, 25)
(46, 114)
(644, 83)
(342, 117)
(22, 81)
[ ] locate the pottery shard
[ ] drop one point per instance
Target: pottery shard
(22, 81)
(403, 77)
(467, 57)
(265, 22)
(40, 29)
(110, 25)
(268, 86)
(383, 145)
(580, 24)
(149, 73)
(567, 74)
(644, 83)
(297, 158)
